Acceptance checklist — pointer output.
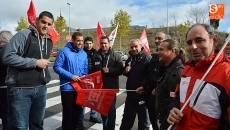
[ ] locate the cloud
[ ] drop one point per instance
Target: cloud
(228, 30)
(86, 13)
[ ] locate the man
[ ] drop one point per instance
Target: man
(5, 37)
(88, 48)
(111, 66)
(27, 56)
(209, 106)
(136, 68)
(153, 74)
(71, 63)
(173, 58)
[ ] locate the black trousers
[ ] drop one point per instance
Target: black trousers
(71, 111)
(133, 107)
(151, 109)
(4, 112)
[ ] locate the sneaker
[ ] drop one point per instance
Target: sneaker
(80, 126)
(95, 120)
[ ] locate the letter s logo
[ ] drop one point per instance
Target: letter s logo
(213, 8)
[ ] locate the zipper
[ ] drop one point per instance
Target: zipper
(198, 94)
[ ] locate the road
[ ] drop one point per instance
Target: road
(53, 115)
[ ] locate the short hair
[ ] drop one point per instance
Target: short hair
(135, 40)
(46, 13)
(5, 36)
(75, 34)
(173, 44)
(167, 36)
(105, 37)
(207, 27)
(88, 39)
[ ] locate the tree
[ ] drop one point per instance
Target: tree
(60, 25)
(198, 15)
(183, 29)
(124, 20)
(104, 22)
(22, 24)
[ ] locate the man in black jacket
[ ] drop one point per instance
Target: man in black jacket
(27, 58)
(154, 72)
(5, 37)
(136, 68)
(88, 48)
(111, 66)
(173, 59)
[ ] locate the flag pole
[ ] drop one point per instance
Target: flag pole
(202, 79)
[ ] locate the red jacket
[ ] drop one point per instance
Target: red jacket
(208, 109)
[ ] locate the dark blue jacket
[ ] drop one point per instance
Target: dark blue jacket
(69, 62)
(137, 74)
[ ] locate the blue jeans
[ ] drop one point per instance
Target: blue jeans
(27, 107)
(110, 119)
(93, 114)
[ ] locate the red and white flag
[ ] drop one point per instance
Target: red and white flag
(100, 33)
(144, 42)
(112, 36)
(31, 13)
(91, 95)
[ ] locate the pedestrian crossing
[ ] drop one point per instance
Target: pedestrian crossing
(53, 116)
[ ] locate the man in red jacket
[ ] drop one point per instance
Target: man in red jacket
(209, 107)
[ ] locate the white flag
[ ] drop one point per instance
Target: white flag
(112, 36)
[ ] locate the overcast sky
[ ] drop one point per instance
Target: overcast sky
(86, 13)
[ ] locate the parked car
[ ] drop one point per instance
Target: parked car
(122, 54)
(54, 52)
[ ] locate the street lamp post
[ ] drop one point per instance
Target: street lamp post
(69, 18)
(167, 19)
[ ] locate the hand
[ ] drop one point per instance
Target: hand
(127, 69)
(140, 90)
(174, 116)
(42, 63)
(105, 69)
(75, 78)
(154, 92)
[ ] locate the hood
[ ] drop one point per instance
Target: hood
(35, 32)
(70, 45)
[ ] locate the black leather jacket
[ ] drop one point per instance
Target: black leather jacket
(166, 87)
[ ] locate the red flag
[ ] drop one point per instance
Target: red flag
(91, 95)
(54, 35)
(31, 13)
(97, 99)
(144, 42)
(100, 33)
(91, 81)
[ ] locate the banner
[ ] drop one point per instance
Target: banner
(144, 42)
(112, 36)
(100, 33)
